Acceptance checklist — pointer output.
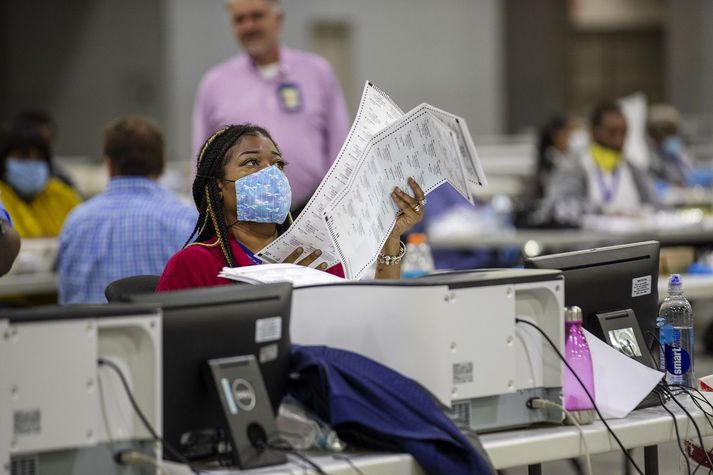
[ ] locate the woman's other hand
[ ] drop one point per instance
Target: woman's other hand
(305, 261)
(410, 208)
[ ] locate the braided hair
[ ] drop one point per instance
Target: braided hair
(211, 167)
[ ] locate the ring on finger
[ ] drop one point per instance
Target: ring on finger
(422, 202)
(417, 208)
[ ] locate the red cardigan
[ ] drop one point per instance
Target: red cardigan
(198, 265)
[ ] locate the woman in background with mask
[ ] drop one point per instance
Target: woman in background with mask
(243, 201)
(561, 138)
(37, 203)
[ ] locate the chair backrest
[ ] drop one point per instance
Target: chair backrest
(118, 290)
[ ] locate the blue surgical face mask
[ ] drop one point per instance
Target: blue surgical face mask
(264, 196)
(672, 146)
(27, 177)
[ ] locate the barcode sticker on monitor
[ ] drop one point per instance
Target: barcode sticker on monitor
(268, 329)
(641, 286)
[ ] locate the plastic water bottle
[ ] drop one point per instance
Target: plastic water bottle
(579, 358)
(418, 260)
(675, 323)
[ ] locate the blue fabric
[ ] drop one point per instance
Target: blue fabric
(440, 201)
(28, 177)
(132, 228)
(4, 215)
(357, 395)
(264, 196)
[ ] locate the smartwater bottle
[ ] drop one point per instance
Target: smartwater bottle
(675, 323)
(418, 260)
(579, 358)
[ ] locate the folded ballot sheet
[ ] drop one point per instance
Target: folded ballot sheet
(351, 214)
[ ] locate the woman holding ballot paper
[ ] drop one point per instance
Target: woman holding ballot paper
(243, 199)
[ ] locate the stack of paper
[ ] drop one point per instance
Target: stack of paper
(300, 276)
(351, 214)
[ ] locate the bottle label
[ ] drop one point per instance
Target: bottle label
(677, 360)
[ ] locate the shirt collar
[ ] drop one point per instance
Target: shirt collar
(284, 64)
(132, 183)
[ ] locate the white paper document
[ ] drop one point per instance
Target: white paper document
(620, 382)
(299, 276)
(351, 214)
(376, 111)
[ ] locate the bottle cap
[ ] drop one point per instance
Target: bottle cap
(572, 314)
(674, 282)
(417, 238)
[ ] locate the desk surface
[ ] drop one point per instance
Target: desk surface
(645, 427)
(41, 283)
(556, 240)
(371, 464)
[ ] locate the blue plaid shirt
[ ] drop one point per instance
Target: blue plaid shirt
(132, 228)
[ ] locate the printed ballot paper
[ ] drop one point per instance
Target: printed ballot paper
(351, 214)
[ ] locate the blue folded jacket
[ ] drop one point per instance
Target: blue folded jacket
(367, 402)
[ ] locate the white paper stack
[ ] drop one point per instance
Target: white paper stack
(299, 276)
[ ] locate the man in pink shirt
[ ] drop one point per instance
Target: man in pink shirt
(293, 94)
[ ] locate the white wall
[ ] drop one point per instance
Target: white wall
(447, 53)
(196, 36)
(84, 61)
(689, 55)
(88, 61)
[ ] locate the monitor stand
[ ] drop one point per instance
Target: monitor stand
(247, 411)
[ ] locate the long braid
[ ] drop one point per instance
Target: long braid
(211, 161)
(216, 216)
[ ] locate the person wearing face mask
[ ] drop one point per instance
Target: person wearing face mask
(669, 159)
(560, 139)
(243, 199)
(600, 179)
(37, 202)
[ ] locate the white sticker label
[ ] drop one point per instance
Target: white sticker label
(268, 329)
(462, 373)
(268, 353)
(641, 286)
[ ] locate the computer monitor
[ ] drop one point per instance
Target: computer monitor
(606, 282)
(208, 324)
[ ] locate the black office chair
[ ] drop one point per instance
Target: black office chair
(119, 290)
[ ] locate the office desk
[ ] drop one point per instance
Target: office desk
(42, 283)
(559, 240)
(532, 447)
(369, 464)
(643, 428)
(32, 274)
(695, 287)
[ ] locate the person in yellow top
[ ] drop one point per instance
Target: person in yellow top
(37, 203)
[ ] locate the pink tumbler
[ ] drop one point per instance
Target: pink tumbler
(580, 359)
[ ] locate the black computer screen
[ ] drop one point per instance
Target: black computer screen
(204, 324)
(609, 279)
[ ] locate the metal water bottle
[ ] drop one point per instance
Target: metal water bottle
(675, 323)
(579, 358)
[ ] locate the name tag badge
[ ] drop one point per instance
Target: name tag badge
(290, 97)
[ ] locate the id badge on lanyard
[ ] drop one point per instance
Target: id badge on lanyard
(289, 95)
(608, 192)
